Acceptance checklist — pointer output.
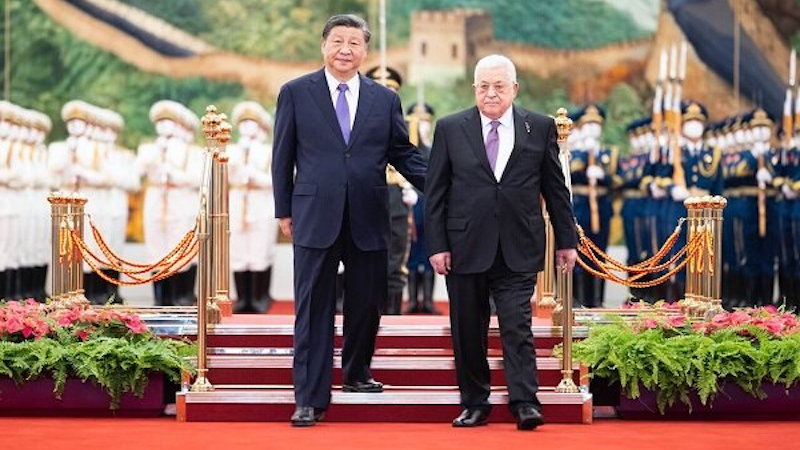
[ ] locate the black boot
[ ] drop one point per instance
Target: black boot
(159, 288)
(579, 290)
(244, 296)
(413, 293)
(25, 283)
(40, 281)
(767, 286)
(12, 285)
(112, 289)
(184, 287)
(3, 284)
(428, 306)
(261, 282)
(598, 291)
(393, 304)
(750, 291)
(93, 288)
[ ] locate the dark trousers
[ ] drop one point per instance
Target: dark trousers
(365, 293)
(469, 320)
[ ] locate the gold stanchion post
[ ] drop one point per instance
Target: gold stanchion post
(564, 278)
(57, 219)
(546, 302)
(717, 205)
(223, 231)
(77, 208)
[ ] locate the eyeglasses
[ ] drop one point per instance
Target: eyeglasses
(499, 88)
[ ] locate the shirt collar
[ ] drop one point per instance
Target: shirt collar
(333, 83)
(506, 119)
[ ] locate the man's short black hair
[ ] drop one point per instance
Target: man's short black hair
(346, 20)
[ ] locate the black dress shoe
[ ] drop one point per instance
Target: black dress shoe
(370, 385)
(472, 417)
(306, 416)
(528, 418)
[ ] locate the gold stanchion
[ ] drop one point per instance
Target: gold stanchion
(222, 220)
(76, 221)
(546, 302)
(57, 218)
(204, 262)
(563, 277)
(717, 204)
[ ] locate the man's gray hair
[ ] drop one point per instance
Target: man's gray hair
(494, 61)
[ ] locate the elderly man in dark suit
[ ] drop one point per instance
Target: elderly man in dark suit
(335, 131)
(488, 168)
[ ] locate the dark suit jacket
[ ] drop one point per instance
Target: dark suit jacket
(328, 171)
(469, 213)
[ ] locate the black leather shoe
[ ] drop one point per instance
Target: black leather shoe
(363, 386)
(472, 417)
(307, 416)
(528, 418)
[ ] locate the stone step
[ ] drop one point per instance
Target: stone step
(391, 370)
(419, 404)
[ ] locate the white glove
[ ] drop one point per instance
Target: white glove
(789, 193)
(657, 192)
(679, 193)
(595, 172)
(410, 196)
(763, 176)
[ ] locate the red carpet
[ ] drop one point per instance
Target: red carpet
(287, 307)
(165, 433)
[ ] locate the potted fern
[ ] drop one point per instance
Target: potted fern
(742, 361)
(48, 354)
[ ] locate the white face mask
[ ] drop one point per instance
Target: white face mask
(693, 129)
(76, 127)
(165, 127)
(762, 133)
(712, 141)
(738, 136)
(248, 128)
(592, 130)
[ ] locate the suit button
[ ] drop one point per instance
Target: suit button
(347, 155)
(499, 188)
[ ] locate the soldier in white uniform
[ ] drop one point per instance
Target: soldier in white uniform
(9, 206)
(254, 228)
(173, 168)
(39, 207)
(79, 165)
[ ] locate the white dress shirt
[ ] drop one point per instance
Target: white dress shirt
(505, 133)
(353, 85)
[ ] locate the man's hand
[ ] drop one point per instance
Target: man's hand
(565, 259)
(286, 226)
(441, 263)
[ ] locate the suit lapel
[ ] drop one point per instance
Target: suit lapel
(472, 127)
(521, 133)
(322, 96)
(366, 97)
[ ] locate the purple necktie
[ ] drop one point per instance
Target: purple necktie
(343, 112)
(493, 144)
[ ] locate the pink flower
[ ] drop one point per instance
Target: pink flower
(677, 321)
(650, 324)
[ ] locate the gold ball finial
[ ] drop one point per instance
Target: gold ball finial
(224, 135)
(563, 125)
(210, 121)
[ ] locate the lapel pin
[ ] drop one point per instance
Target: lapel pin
(527, 127)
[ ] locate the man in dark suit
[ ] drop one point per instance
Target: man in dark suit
(335, 131)
(488, 167)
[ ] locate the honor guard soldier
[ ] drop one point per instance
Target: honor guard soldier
(79, 165)
(767, 246)
(788, 262)
(630, 172)
(254, 229)
(702, 177)
(592, 168)
(11, 191)
(401, 197)
(36, 211)
(421, 276)
(173, 169)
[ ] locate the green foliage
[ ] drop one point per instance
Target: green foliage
(119, 365)
(562, 24)
(51, 67)
(674, 363)
(623, 106)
